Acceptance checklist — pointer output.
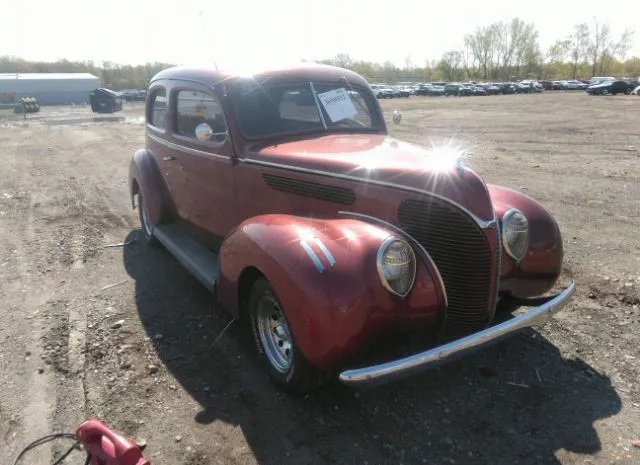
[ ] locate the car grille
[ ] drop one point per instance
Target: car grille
(461, 252)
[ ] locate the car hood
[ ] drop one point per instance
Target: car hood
(384, 160)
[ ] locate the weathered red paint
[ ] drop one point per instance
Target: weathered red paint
(540, 268)
(145, 176)
(219, 191)
(334, 311)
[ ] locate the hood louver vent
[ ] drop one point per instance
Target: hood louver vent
(313, 190)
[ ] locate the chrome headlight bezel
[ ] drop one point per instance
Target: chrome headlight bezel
(382, 250)
(504, 224)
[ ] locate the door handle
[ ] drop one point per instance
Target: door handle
(169, 158)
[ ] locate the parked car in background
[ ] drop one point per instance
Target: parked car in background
(547, 85)
(465, 90)
(479, 89)
(492, 89)
(508, 88)
(382, 91)
(636, 91)
(133, 95)
(256, 185)
(401, 91)
(611, 87)
(573, 85)
(452, 89)
(599, 79)
(430, 90)
(534, 86)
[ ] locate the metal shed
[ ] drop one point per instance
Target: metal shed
(50, 88)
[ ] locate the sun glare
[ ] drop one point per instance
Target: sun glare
(445, 157)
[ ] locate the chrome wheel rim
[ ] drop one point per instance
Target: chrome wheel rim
(274, 334)
(145, 219)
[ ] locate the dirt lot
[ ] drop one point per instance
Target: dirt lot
(124, 333)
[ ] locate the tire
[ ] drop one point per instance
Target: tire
(605, 92)
(145, 225)
(627, 91)
(276, 345)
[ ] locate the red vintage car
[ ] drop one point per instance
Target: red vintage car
(282, 193)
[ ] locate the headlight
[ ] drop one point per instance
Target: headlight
(396, 266)
(515, 234)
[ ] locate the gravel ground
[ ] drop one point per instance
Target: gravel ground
(125, 334)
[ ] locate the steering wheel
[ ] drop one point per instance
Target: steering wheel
(350, 123)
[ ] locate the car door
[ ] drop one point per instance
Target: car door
(207, 203)
(157, 135)
(618, 87)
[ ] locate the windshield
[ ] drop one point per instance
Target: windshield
(266, 110)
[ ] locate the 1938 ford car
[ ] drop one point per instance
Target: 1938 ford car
(282, 193)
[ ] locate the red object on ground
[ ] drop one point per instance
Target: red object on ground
(107, 447)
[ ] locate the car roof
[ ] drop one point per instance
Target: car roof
(209, 75)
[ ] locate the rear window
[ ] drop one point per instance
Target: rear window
(157, 109)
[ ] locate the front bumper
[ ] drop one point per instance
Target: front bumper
(405, 367)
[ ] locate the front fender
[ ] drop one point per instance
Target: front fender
(145, 178)
(541, 266)
(332, 295)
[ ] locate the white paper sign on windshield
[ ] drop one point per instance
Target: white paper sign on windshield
(338, 104)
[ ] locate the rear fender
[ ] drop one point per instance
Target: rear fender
(541, 266)
(324, 273)
(145, 178)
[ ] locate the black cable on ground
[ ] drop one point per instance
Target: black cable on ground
(44, 440)
(64, 456)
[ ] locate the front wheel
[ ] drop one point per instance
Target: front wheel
(286, 365)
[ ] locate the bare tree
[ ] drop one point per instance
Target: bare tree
(603, 48)
(342, 59)
(556, 54)
(617, 49)
(579, 42)
(598, 40)
(468, 59)
(450, 65)
(408, 63)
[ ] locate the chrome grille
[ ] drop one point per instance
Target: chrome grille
(460, 251)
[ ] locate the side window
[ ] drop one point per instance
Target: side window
(157, 109)
(193, 108)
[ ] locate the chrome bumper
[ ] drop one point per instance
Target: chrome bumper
(405, 367)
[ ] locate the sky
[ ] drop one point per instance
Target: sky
(238, 32)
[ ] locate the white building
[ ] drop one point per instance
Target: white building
(50, 88)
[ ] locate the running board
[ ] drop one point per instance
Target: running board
(201, 262)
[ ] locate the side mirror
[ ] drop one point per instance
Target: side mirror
(203, 131)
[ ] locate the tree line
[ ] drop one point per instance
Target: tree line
(112, 75)
(502, 51)
(510, 50)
